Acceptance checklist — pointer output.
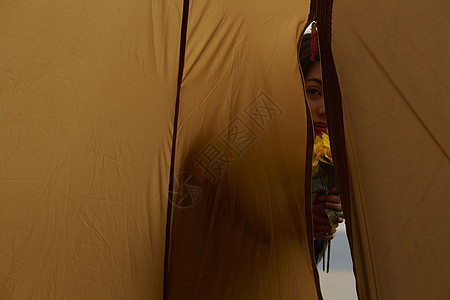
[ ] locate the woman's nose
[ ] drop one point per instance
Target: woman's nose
(321, 110)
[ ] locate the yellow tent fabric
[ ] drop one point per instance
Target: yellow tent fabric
(91, 94)
(241, 148)
(393, 70)
(87, 112)
(87, 91)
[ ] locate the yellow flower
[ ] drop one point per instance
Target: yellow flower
(319, 146)
(327, 151)
(325, 172)
(315, 166)
(321, 150)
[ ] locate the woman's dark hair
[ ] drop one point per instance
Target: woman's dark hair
(304, 54)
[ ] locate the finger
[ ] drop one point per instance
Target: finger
(320, 199)
(333, 198)
(333, 206)
(340, 220)
(321, 220)
(319, 209)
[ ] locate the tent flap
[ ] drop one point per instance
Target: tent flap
(393, 74)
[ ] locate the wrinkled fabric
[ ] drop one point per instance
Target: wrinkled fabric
(86, 117)
(241, 150)
(391, 60)
(87, 111)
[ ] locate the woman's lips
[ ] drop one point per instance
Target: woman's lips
(320, 127)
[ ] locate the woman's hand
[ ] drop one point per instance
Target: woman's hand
(322, 227)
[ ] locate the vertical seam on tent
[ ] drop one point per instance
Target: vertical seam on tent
(169, 221)
(333, 107)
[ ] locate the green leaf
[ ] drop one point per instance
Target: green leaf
(333, 217)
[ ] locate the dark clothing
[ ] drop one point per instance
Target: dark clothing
(318, 249)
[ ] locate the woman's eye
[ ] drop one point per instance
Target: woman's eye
(314, 92)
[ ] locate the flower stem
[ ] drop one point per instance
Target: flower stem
(324, 249)
(329, 254)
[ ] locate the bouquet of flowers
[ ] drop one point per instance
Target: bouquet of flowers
(323, 169)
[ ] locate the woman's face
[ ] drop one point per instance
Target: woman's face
(314, 95)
